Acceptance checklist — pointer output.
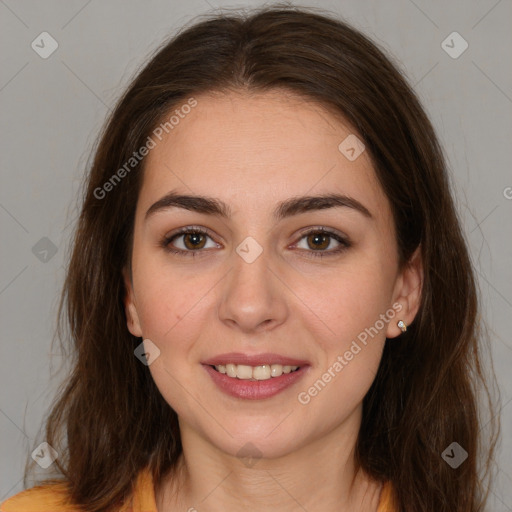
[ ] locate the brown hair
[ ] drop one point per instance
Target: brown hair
(110, 420)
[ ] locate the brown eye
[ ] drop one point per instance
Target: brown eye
(318, 241)
(321, 242)
(194, 240)
(188, 242)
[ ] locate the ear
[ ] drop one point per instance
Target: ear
(407, 293)
(130, 308)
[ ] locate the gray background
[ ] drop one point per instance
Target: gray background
(53, 108)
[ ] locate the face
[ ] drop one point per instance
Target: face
(261, 279)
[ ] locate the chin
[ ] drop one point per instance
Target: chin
(268, 437)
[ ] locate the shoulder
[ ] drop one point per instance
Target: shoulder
(55, 497)
(387, 500)
(43, 498)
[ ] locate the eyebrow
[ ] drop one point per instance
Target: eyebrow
(289, 207)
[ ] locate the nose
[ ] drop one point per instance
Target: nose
(253, 297)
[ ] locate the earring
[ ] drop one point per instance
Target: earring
(402, 325)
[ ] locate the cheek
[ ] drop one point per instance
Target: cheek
(347, 303)
(357, 309)
(351, 339)
(172, 315)
(168, 301)
(351, 335)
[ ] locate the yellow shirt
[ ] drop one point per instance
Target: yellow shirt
(52, 498)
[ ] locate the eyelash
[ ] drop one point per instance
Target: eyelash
(344, 243)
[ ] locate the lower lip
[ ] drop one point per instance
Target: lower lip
(254, 389)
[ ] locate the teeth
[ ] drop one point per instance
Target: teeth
(259, 372)
(263, 372)
(244, 372)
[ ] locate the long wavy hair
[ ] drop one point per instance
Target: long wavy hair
(109, 420)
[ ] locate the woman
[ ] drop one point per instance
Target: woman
(269, 294)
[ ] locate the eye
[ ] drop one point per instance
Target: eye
(188, 241)
(318, 240)
(191, 240)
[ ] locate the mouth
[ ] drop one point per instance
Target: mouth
(255, 376)
(252, 373)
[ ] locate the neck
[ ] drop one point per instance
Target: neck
(321, 475)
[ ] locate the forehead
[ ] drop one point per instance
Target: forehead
(254, 149)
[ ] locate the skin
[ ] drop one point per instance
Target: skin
(253, 151)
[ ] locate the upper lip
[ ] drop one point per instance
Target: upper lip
(254, 359)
